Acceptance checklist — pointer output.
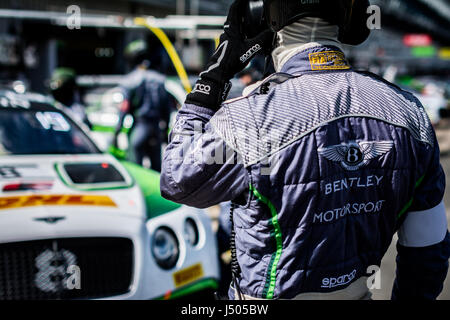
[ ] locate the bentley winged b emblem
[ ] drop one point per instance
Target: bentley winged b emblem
(354, 155)
(50, 220)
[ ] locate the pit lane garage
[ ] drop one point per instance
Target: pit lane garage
(79, 224)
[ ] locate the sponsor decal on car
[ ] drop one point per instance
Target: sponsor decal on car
(55, 200)
(188, 275)
(9, 172)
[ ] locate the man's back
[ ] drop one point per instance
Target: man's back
(344, 151)
(146, 92)
(333, 162)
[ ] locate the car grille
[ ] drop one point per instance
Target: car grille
(76, 268)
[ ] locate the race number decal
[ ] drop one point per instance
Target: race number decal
(9, 172)
(53, 121)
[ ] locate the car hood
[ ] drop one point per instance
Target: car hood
(41, 185)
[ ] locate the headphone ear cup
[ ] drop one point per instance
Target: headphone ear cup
(255, 20)
(350, 15)
(353, 29)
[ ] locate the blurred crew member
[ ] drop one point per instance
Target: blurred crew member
(65, 90)
(249, 76)
(324, 164)
(433, 99)
(243, 79)
(146, 98)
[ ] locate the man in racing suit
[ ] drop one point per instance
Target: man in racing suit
(324, 165)
(64, 89)
(146, 98)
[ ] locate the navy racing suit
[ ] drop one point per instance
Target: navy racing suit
(324, 164)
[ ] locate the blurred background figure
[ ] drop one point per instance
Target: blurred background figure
(245, 78)
(433, 98)
(249, 76)
(64, 90)
(147, 100)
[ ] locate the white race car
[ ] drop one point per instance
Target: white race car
(79, 224)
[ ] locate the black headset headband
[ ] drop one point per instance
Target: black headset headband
(280, 13)
(350, 15)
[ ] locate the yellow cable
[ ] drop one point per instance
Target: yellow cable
(217, 41)
(173, 55)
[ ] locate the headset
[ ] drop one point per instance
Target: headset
(350, 15)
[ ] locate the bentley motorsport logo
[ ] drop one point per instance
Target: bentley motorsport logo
(354, 155)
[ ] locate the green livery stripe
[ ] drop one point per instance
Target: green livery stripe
(269, 287)
(106, 129)
(148, 181)
(191, 289)
(117, 153)
(410, 202)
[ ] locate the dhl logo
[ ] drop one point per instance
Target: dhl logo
(328, 60)
(55, 200)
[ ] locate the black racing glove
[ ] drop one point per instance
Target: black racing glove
(232, 55)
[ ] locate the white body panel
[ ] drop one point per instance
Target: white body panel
(127, 219)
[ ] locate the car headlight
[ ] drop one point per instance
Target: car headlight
(165, 248)
(191, 232)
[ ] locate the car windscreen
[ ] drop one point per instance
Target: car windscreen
(24, 131)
